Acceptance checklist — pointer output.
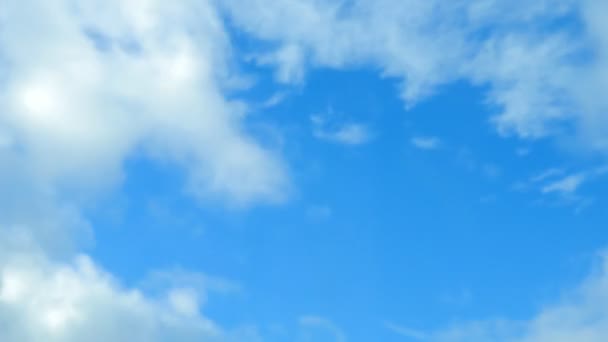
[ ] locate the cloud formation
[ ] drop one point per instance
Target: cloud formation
(348, 133)
(567, 185)
(539, 81)
(426, 143)
(87, 86)
(45, 300)
(83, 88)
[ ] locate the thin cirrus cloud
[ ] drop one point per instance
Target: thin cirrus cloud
(409, 333)
(559, 187)
(426, 143)
(349, 133)
(567, 185)
(560, 182)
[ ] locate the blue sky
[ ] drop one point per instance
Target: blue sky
(306, 170)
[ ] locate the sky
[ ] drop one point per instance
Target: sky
(303, 170)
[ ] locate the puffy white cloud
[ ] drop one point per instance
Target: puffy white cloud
(47, 300)
(83, 87)
(87, 85)
(540, 76)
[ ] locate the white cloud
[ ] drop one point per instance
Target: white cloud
(559, 181)
(567, 185)
(549, 173)
(407, 332)
(426, 143)
(350, 134)
(535, 77)
(290, 60)
(46, 300)
(75, 111)
(87, 85)
(344, 133)
(274, 100)
(560, 187)
(84, 87)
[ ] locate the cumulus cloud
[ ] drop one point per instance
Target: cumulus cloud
(539, 80)
(46, 300)
(83, 88)
(86, 86)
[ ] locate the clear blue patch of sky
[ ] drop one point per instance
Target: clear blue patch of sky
(406, 228)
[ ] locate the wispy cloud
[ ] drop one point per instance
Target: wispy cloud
(319, 322)
(527, 71)
(349, 133)
(566, 185)
(426, 143)
(558, 181)
(319, 212)
(557, 186)
(407, 332)
(275, 99)
(546, 174)
(488, 170)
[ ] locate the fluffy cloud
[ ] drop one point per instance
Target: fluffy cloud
(85, 86)
(541, 77)
(45, 300)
